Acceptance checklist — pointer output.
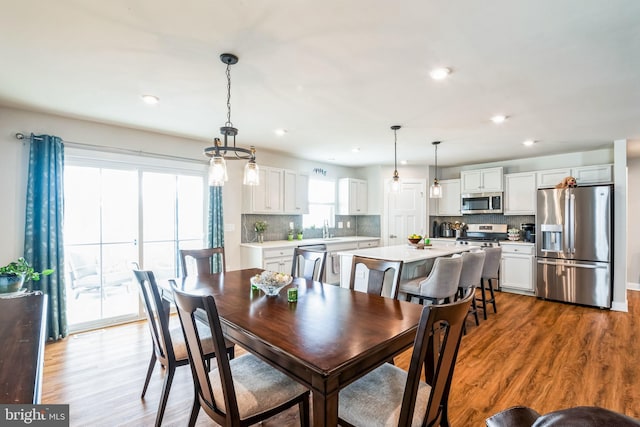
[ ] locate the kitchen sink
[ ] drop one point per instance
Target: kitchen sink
(329, 239)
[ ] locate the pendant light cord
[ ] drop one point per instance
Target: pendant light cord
(229, 97)
(395, 150)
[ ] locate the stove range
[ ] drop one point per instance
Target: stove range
(484, 235)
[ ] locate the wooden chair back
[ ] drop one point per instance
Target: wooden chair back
(309, 264)
(377, 269)
(187, 305)
(204, 260)
(157, 311)
(435, 351)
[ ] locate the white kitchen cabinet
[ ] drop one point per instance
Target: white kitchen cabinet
(584, 175)
(487, 180)
(352, 196)
(517, 268)
(296, 191)
(278, 259)
(449, 204)
(598, 174)
(268, 197)
(520, 193)
(368, 244)
(550, 178)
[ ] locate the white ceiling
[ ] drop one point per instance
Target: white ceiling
(337, 74)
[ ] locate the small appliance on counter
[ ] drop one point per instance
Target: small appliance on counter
(446, 230)
(528, 232)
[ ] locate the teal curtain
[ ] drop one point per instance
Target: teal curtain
(43, 245)
(216, 224)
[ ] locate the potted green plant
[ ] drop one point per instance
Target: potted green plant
(290, 234)
(16, 273)
(299, 233)
(260, 227)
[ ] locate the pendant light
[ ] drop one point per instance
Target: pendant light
(435, 191)
(221, 151)
(395, 180)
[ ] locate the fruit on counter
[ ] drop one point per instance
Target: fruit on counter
(415, 236)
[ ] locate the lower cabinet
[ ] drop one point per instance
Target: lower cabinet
(279, 260)
(517, 268)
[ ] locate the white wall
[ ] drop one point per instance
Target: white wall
(633, 213)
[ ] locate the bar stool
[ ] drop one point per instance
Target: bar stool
(440, 285)
(489, 273)
(470, 276)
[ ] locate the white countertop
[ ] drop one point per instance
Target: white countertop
(407, 253)
(295, 243)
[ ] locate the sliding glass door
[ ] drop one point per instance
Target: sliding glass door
(109, 210)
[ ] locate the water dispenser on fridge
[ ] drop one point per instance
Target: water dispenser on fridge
(551, 237)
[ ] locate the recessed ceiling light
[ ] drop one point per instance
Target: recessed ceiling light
(356, 150)
(440, 73)
(499, 118)
(150, 99)
(528, 142)
(281, 132)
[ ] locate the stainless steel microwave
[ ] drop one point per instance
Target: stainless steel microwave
(481, 203)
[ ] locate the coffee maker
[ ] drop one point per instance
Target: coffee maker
(528, 232)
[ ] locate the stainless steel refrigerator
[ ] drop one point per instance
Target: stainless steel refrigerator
(575, 245)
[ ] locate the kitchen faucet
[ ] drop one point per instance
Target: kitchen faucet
(325, 229)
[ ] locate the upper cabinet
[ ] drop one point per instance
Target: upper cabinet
(296, 192)
(352, 196)
(481, 180)
(550, 178)
(584, 175)
(280, 191)
(598, 174)
(449, 204)
(520, 193)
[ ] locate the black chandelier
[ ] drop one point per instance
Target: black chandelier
(222, 151)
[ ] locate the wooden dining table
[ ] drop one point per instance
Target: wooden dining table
(330, 337)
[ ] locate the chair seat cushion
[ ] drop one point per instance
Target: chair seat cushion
(258, 386)
(376, 398)
(180, 347)
(411, 286)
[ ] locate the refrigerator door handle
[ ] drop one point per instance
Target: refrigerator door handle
(563, 264)
(572, 229)
(567, 223)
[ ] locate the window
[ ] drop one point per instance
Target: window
(121, 210)
(322, 203)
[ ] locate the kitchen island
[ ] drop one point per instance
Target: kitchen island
(417, 262)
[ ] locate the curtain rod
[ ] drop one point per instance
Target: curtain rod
(21, 136)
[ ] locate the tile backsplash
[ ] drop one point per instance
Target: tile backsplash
(512, 221)
(278, 228)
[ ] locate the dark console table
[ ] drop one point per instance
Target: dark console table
(22, 339)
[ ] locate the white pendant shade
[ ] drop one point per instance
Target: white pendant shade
(394, 185)
(251, 174)
(217, 171)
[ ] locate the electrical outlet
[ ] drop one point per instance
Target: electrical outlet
(291, 226)
(340, 224)
(348, 224)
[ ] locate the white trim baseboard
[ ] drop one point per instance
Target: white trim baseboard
(633, 286)
(620, 306)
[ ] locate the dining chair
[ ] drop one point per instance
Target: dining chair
(239, 392)
(470, 276)
(390, 396)
(168, 340)
(203, 259)
(441, 285)
(490, 272)
(377, 271)
(309, 264)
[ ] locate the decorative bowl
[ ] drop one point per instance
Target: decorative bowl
(415, 241)
(271, 282)
(10, 284)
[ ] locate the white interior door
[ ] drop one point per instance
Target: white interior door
(405, 212)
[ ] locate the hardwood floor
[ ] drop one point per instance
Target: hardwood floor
(542, 354)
